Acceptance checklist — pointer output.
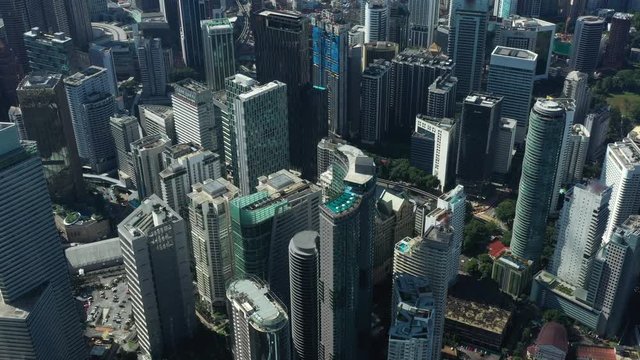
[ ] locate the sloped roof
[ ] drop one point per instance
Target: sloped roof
(553, 334)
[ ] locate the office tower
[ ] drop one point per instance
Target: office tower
(10, 76)
(346, 236)
(219, 57)
(528, 34)
(15, 117)
(234, 86)
(146, 5)
(503, 9)
(576, 154)
(153, 239)
(433, 148)
(38, 316)
(47, 121)
(467, 41)
(92, 104)
(621, 171)
(103, 56)
(158, 120)
(579, 232)
(210, 219)
(16, 23)
(412, 328)
(303, 271)
(542, 154)
(125, 130)
(283, 54)
(441, 97)
(480, 123)
(412, 71)
(153, 73)
(564, 162)
(356, 35)
(597, 123)
(618, 40)
(146, 154)
(576, 87)
(79, 23)
(49, 52)
(372, 51)
(393, 222)
(193, 114)
(259, 321)
(511, 76)
(427, 258)
(191, 14)
(354, 79)
(265, 222)
(423, 20)
(585, 46)
(530, 8)
(398, 24)
(329, 69)
(376, 20)
(97, 8)
(504, 148)
(374, 102)
(261, 133)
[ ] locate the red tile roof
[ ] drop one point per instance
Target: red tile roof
(553, 334)
(595, 353)
(496, 248)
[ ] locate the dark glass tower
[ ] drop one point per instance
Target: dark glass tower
(191, 13)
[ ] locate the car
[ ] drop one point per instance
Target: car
(121, 305)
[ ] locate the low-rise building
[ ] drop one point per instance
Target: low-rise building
(478, 324)
(82, 229)
(512, 273)
(551, 344)
(94, 256)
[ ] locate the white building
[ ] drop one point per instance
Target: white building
(376, 20)
(423, 20)
(146, 155)
(157, 120)
(505, 146)
(432, 147)
(511, 75)
(219, 51)
(569, 106)
(125, 130)
(576, 87)
(193, 114)
(577, 149)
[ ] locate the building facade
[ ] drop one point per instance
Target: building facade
(585, 46)
(193, 114)
(374, 102)
(433, 147)
(219, 52)
(146, 155)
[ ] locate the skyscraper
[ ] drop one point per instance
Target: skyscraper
(372, 51)
(398, 24)
(433, 148)
(10, 75)
(191, 14)
(467, 42)
(547, 125)
(91, 105)
(303, 272)
(597, 122)
(564, 162)
(423, 20)
(621, 171)
(153, 73)
(576, 87)
(259, 321)
(146, 154)
(37, 309)
(511, 76)
(79, 23)
(193, 114)
(618, 40)
(210, 218)
(503, 9)
(16, 23)
(219, 52)
(158, 120)
(376, 20)
(580, 230)
(374, 102)
(49, 52)
(585, 46)
(47, 121)
(125, 130)
(441, 98)
(478, 134)
(576, 154)
(504, 146)
(153, 239)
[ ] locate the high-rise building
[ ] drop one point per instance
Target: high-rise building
(210, 219)
(566, 150)
(193, 114)
(398, 24)
(234, 86)
(97, 8)
(467, 38)
(283, 53)
(303, 280)
(412, 328)
(104, 56)
(412, 71)
(374, 102)
(547, 125)
(329, 69)
(621, 171)
(423, 20)
(528, 34)
(16, 23)
(441, 97)
(480, 123)
(376, 20)
(146, 154)
(433, 148)
(91, 105)
(314, 102)
(427, 258)
(10, 75)
(530, 8)
(125, 130)
(346, 255)
(356, 36)
(49, 52)
(219, 52)
(153, 239)
(259, 321)
(576, 154)
(618, 39)
(511, 76)
(146, 5)
(576, 87)
(261, 133)
(504, 147)
(503, 9)
(354, 79)
(580, 229)
(265, 222)
(38, 316)
(191, 15)
(597, 123)
(385, 50)
(47, 121)
(153, 73)
(585, 46)
(79, 23)
(158, 120)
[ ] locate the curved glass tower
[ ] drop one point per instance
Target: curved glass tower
(539, 167)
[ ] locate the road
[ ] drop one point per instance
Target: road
(244, 9)
(387, 183)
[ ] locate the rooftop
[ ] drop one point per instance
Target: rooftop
(37, 81)
(482, 99)
(507, 123)
(439, 234)
(304, 243)
(580, 130)
(81, 76)
(258, 90)
(263, 309)
(591, 19)
(525, 23)
(514, 261)
(55, 38)
(553, 334)
(93, 253)
(423, 57)
(378, 68)
(442, 123)
(622, 16)
(150, 142)
(151, 213)
(282, 13)
(482, 316)
(361, 167)
(159, 110)
(626, 152)
(215, 25)
(344, 202)
(514, 53)
(585, 352)
(192, 85)
(210, 190)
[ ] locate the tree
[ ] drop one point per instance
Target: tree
(476, 236)
(506, 238)
(506, 211)
(471, 267)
